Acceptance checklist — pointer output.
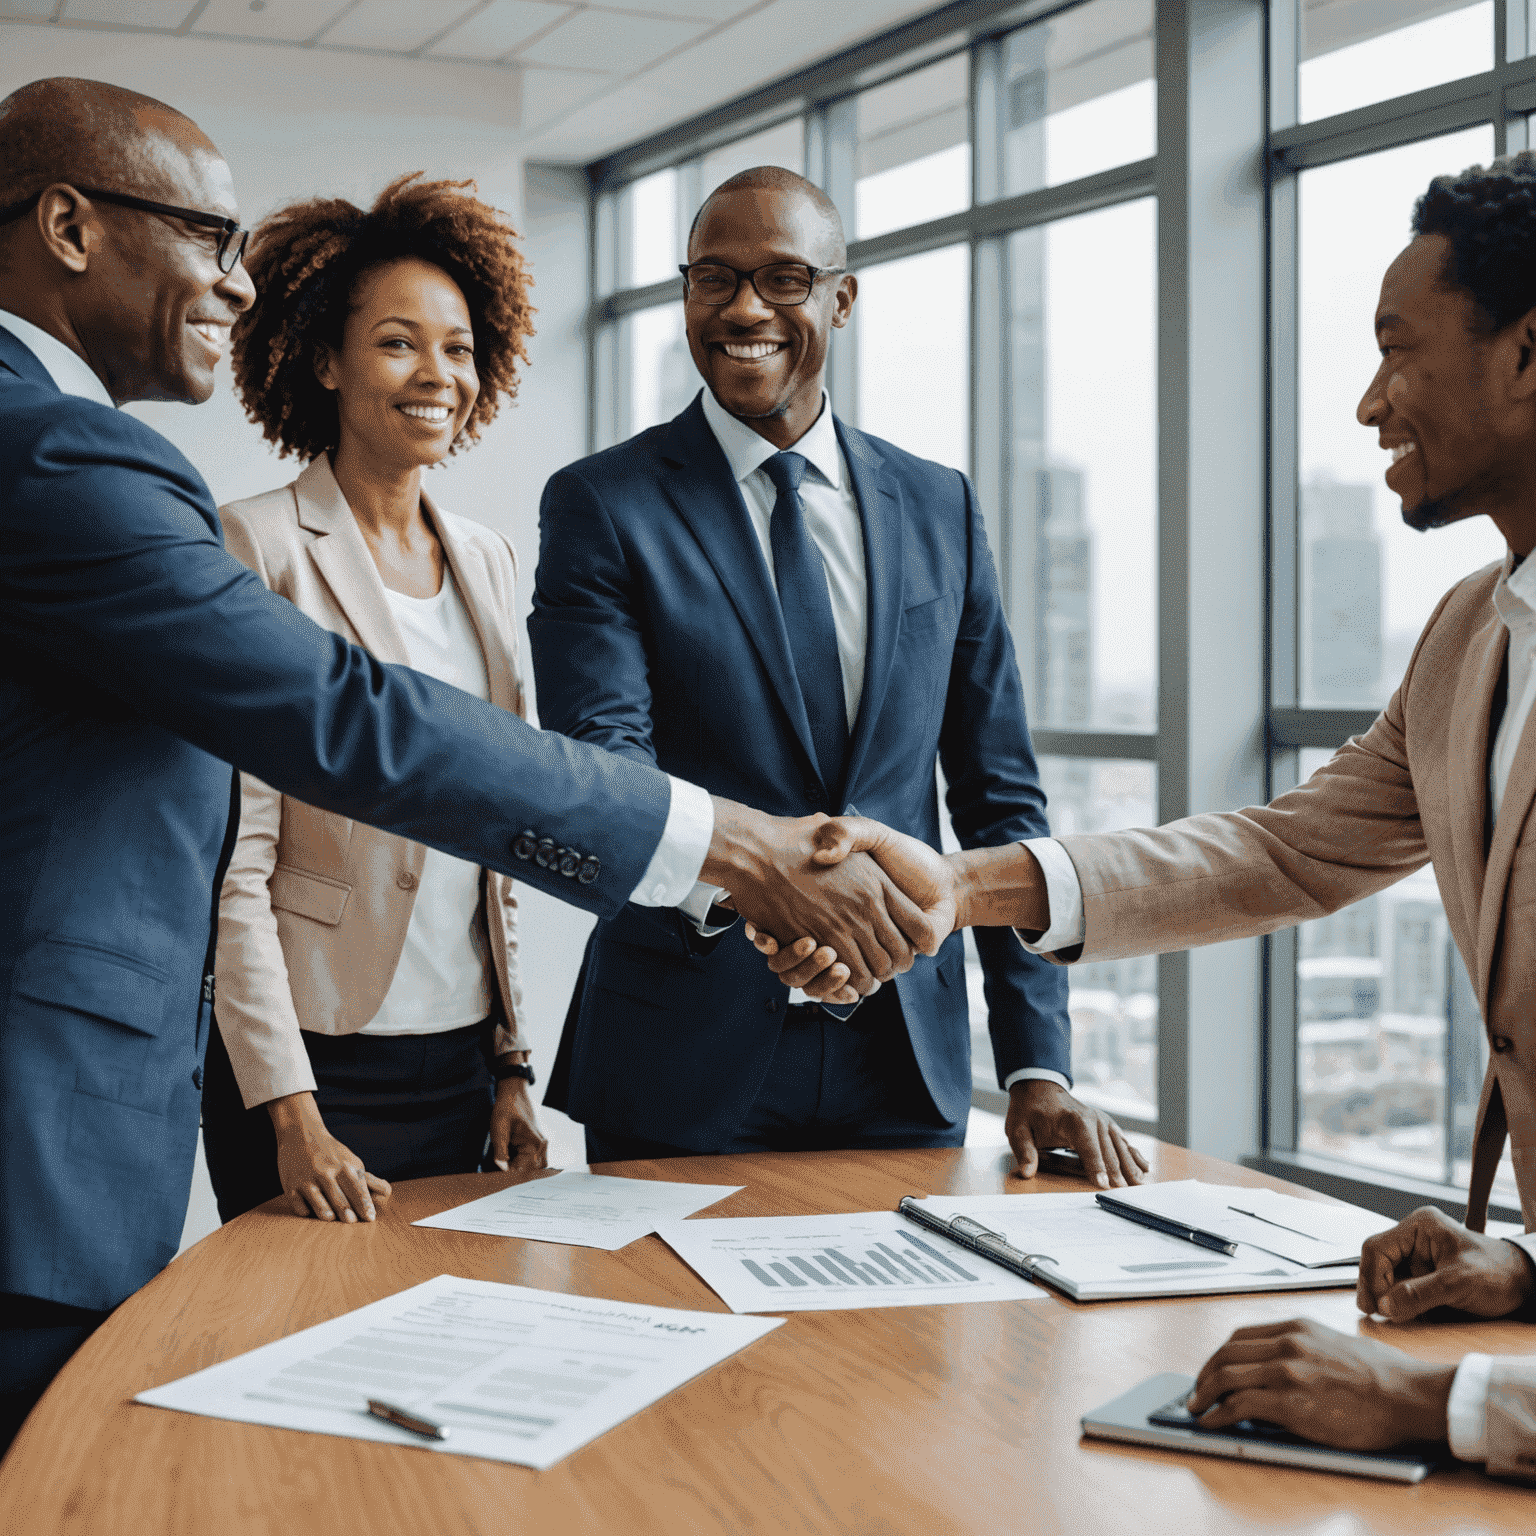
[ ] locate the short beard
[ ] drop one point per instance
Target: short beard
(1436, 512)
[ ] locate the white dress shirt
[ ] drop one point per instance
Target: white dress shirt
(674, 867)
(1514, 600)
(440, 982)
(832, 519)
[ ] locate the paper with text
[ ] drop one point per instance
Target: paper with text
(515, 1374)
(827, 1263)
(588, 1210)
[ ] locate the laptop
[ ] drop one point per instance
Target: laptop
(1154, 1414)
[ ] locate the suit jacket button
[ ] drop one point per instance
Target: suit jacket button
(570, 862)
(197, 1077)
(591, 866)
(406, 880)
(1502, 1043)
(524, 844)
(544, 854)
(770, 1005)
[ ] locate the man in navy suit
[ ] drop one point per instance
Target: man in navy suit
(138, 661)
(772, 604)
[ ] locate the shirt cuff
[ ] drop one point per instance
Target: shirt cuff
(674, 868)
(696, 904)
(1034, 1075)
(1063, 892)
(1466, 1414)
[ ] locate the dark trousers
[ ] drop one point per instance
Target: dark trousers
(831, 1084)
(36, 1338)
(410, 1106)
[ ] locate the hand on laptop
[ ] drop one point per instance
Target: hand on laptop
(1428, 1260)
(1334, 1388)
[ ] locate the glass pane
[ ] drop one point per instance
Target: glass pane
(1113, 1003)
(1354, 52)
(1367, 581)
(1079, 96)
(1391, 1046)
(662, 378)
(913, 161)
(1082, 546)
(913, 327)
(783, 144)
(650, 206)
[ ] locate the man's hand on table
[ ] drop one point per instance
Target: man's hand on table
(1333, 1388)
(866, 929)
(1428, 1260)
(1042, 1114)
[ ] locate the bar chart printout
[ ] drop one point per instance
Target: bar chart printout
(828, 1263)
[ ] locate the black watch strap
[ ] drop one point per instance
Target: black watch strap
(501, 1070)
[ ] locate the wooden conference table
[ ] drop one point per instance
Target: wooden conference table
(919, 1419)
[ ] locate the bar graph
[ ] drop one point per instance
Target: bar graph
(912, 1263)
(827, 1263)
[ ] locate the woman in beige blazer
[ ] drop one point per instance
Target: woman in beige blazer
(367, 987)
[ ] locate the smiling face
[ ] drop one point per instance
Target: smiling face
(1450, 401)
(154, 312)
(404, 375)
(763, 363)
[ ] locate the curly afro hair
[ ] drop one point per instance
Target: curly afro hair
(306, 260)
(1489, 217)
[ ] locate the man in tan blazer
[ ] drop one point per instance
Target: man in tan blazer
(1446, 775)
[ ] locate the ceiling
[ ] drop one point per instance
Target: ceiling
(593, 77)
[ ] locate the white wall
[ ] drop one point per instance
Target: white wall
(294, 124)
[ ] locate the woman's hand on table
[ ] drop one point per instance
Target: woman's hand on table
(517, 1143)
(320, 1175)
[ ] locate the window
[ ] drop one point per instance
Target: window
(913, 160)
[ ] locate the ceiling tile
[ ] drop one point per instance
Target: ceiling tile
(503, 25)
(604, 40)
(168, 14)
(687, 10)
(399, 24)
(551, 93)
(33, 9)
(287, 21)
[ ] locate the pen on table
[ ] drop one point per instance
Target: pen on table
(405, 1419)
(1212, 1240)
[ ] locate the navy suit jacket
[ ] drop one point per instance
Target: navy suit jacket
(657, 633)
(138, 661)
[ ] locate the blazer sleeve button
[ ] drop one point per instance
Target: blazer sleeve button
(524, 844)
(591, 867)
(570, 862)
(544, 854)
(406, 880)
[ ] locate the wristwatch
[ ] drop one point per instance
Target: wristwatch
(501, 1070)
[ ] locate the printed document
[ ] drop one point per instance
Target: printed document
(514, 1374)
(1082, 1249)
(587, 1210)
(827, 1263)
(1310, 1232)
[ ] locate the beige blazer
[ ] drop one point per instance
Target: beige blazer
(1413, 788)
(314, 910)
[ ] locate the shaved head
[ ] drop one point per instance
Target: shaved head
(89, 133)
(774, 178)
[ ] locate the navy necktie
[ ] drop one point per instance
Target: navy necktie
(807, 605)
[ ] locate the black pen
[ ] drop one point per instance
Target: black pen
(1211, 1240)
(405, 1419)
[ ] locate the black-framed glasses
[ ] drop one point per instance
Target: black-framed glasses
(782, 284)
(231, 239)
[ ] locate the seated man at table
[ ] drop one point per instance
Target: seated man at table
(1446, 774)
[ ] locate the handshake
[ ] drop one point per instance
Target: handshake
(840, 904)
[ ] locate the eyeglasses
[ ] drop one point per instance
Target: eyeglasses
(231, 240)
(783, 284)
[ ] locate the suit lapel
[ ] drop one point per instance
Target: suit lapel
(476, 587)
(706, 495)
(1514, 806)
(343, 560)
(880, 513)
